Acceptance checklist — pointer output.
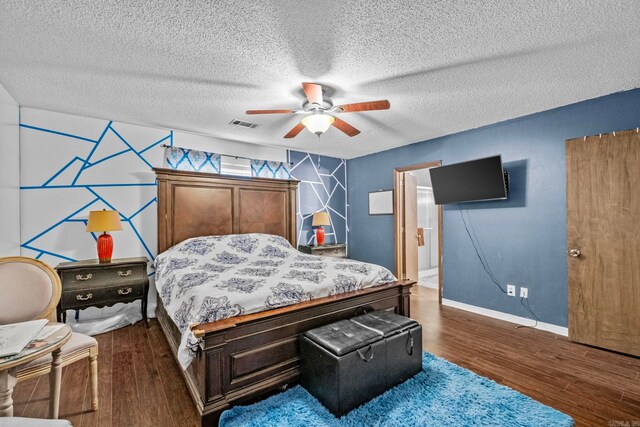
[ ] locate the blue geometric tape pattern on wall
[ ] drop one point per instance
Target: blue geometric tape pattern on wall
(192, 160)
(322, 187)
(86, 165)
(268, 169)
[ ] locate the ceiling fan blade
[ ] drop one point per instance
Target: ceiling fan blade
(365, 106)
(269, 111)
(295, 131)
(313, 92)
(345, 127)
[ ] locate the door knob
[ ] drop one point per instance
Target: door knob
(575, 253)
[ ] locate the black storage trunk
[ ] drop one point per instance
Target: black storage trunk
(348, 363)
(403, 338)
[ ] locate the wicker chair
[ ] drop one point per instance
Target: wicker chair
(31, 290)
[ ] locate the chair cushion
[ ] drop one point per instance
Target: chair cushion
(76, 342)
(32, 422)
(26, 291)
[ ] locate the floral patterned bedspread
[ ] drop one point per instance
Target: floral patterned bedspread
(205, 279)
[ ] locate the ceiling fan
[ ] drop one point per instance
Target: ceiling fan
(321, 112)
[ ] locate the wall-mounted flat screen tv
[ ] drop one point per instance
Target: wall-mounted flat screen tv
(472, 181)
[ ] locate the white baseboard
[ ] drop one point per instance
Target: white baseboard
(560, 330)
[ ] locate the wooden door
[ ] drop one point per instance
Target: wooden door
(603, 237)
(410, 188)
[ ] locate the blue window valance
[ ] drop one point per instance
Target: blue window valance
(267, 169)
(192, 160)
(201, 161)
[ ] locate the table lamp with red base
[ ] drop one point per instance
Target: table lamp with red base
(104, 221)
(320, 219)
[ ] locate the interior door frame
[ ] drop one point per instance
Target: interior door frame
(398, 216)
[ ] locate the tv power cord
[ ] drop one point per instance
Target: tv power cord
(487, 270)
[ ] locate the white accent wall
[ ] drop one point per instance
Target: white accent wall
(70, 165)
(9, 175)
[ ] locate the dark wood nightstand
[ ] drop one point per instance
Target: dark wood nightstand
(92, 284)
(338, 250)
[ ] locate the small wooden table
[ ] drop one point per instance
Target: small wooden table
(91, 283)
(336, 250)
(9, 367)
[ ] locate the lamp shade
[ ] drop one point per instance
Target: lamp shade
(318, 123)
(104, 221)
(320, 219)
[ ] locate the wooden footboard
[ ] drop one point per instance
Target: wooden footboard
(248, 356)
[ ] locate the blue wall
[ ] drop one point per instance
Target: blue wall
(322, 187)
(523, 238)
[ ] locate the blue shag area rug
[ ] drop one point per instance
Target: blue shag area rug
(443, 394)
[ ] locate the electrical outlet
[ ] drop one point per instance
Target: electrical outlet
(524, 293)
(511, 290)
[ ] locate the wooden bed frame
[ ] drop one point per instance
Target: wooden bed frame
(245, 357)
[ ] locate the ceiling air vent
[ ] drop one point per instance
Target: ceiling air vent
(243, 124)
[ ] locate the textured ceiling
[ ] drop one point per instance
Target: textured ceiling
(446, 66)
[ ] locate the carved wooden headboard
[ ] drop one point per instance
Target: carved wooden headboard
(192, 204)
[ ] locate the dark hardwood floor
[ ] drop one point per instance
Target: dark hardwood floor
(141, 385)
(594, 386)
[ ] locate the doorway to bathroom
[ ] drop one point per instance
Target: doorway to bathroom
(418, 223)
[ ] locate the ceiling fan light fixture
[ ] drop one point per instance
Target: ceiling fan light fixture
(318, 123)
(321, 110)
